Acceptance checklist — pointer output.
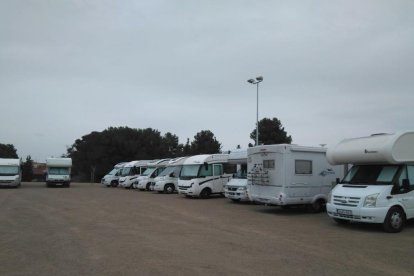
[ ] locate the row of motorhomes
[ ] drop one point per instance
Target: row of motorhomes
(57, 172)
(378, 187)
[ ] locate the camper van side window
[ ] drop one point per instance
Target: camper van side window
(410, 170)
(218, 169)
(268, 164)
(303, 167)
(206, 171)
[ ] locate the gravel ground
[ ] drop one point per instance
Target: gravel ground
(89, 229)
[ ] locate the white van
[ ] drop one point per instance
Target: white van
(236, 188)
(146, 180)
(203, 175)
(111, 179)
(379, 188)
(131, 171)
(10, 172)
(58, 171)
(287, 175)
(167, 180)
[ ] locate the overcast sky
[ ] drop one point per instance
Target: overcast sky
(331, 69)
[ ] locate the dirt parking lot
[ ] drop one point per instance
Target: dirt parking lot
(89, 229)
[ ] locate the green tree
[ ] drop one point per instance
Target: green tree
(271, 131)
(8, 151)
(205, 143)
(187, 148)
(98, 152)
(27, 169)
(170, 142)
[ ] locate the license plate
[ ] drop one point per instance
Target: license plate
(344, 212)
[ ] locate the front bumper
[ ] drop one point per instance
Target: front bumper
(358, 214)
(237, 195)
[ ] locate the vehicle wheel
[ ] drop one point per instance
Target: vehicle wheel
(341, 221)
(148, 186)
(235, 199)
(318, 206)
(114, 183)
(394, 221)
(205, 193)
(168, 189)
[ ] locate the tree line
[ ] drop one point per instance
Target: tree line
(96, 153)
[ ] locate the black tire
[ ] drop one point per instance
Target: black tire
(148, 186)
(205, 193)
(341, 221)
(169, 189)
(114, 183)
(318, 206)
(394, 220)
(235, 199)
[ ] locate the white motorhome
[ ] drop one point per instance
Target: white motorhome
(10, 172)
(379, 188)
(111, 179)
(288, 175)
(236, 188)
(58, 171)
(167, 180)
(203, 175)
(131, 171)
(155, 167)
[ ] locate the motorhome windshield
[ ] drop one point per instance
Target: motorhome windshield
(113, 172)
(174, 170)
(148, 171)
(240, 174)
(126, 171)
(371, 174)
(9, 170)
(58, 171)
(189, 172)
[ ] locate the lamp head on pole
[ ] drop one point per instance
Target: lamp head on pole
(259, 78)
(251, 81)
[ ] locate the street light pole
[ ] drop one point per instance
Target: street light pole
(257, 81)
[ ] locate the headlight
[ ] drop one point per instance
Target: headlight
(330, 197)
(191, 185)
(242, 189)
(371, 200)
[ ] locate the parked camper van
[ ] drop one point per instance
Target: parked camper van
(58, 171)
(112, 178)
(131, 171)
(379, 188)
(236, 188)
(10, 172)
(203, 175)
(155, 167)
(287, 175)
(167, 180)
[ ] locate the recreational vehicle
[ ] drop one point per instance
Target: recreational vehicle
(155, 167)
(203, 175)
(287, 175)
(167, 180)
(131, 171)
(58, 171)
(10, 172)
(236, 188)
(379, 187)
(112, 178)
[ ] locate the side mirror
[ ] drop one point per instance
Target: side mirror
(406, 184)
(172, 174)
